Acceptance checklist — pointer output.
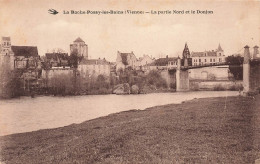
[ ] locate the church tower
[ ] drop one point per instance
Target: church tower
(220, 51)
(80, 47)
(186, 52)
(5, 47)
(6, 53)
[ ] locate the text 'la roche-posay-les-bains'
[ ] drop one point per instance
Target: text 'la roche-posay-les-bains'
(134, 12)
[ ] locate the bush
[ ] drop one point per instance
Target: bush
(61, 85)
(155, 78)
(236, 87)
(173, 85)
(236, 71)
(101, 82)
(219, 87)
(194, 86)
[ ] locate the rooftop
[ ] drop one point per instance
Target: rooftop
(26, 51)
(78, 40)
(55, 56)
(219, 48)
(94, 62)
(6, 38)
(163, 61)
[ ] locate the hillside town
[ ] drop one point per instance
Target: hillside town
(41, 73)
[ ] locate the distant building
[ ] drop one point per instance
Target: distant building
(18, 57)
(94, 67)
(161, 64)
(26, 57)
(208, 57)
(143, 61)
(57, 59)
(80, 47)
(172, 64)
(125, 60)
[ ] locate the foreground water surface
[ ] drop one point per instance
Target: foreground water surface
(28, 114)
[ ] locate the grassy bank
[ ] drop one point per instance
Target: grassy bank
(212, 130)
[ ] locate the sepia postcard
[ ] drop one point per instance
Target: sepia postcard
(129, 81)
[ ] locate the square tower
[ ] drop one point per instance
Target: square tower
(80, 47)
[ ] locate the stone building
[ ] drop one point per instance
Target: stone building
(80, 47)
(125, 60)
(94, 67)
(208, 57)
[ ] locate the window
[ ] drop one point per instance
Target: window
(210, 60)
(205, 60)
(199, 60)
(213, 60)
(219, 59)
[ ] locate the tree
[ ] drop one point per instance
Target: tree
(235, 66)
(10, 84)
(57, 50)
(154, 78)
(101, 82)
(61, 84)
(74, 59)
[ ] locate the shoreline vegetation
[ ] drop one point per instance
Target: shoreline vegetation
(127, 81)
(206, 130)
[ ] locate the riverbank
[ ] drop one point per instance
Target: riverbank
(207, 130)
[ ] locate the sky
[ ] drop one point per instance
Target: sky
(233, 24)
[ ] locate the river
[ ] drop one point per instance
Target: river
(29, 114)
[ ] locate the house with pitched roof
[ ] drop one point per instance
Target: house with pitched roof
(80, 47)
(208, 57)
(26, 57)
(125, 60)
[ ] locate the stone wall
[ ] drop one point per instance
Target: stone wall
(216, 85)
(210, 73)
(47, 74)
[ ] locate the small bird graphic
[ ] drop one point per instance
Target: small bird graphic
(52, 11)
